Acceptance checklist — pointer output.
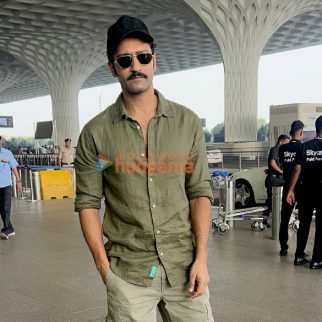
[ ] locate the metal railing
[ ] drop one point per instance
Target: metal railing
(49, 159)
(237, 161)
(30, 180)
(231, 161)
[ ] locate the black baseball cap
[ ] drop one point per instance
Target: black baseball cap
(68, 140)
(125, 27)
(295, 126)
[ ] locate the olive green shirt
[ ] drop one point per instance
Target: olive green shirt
(146, 188)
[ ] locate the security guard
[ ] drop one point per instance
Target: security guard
(287, 157)
(274, 176)
(309, 165)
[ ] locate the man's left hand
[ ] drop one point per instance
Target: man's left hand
(198, 279)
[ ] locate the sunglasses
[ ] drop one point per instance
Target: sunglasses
(125, 61)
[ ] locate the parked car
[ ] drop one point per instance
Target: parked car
(214, 156)
(249, 187)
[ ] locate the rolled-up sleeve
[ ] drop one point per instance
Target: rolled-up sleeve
(198, 179)
(89, 186)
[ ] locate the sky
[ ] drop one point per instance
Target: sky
(289, 77)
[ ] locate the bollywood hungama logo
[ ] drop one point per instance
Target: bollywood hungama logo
(103, 162)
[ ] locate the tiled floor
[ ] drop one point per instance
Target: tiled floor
(47, 273)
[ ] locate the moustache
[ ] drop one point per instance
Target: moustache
(137, 74)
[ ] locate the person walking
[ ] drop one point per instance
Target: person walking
(309, 167)
(7, 164)
(287, 157)
(146, 155)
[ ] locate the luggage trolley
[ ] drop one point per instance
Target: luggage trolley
(226, 213)
(294, 222)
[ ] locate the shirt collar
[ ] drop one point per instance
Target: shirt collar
(162, 110)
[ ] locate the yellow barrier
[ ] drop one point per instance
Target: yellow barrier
(56, 184)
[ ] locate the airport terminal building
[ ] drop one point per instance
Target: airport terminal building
(58, 47)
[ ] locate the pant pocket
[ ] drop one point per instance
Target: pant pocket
(108, 276)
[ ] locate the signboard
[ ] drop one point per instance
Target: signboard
(44, 130)
(6, 121)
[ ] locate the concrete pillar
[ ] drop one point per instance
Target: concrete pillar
(63, 66)
(65, 112)
(64, 73)
(64, 89)
(241, 29)
(241, 72)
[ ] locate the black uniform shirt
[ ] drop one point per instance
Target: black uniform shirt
(273, 155)
(310, 160)
(287, 157)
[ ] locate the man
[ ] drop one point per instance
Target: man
(309, 166)
(287, 156)
(154, 177)
(7, 164)
(274, 176)
(66, 154)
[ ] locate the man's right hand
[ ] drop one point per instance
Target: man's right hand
(92, 231)
(103, 269)
(19, 186)
(290, 198)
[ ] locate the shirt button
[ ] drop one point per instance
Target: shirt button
(153, 206)
(161, 254)
(158, 232)
(138, 127)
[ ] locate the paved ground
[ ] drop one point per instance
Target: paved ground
(47, 274)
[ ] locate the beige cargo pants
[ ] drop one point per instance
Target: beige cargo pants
(132, 303)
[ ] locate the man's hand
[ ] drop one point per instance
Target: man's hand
(198, 279)
(103, 269)
(200, 214)
(19, 186)
(290, 198)
(92, 231)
